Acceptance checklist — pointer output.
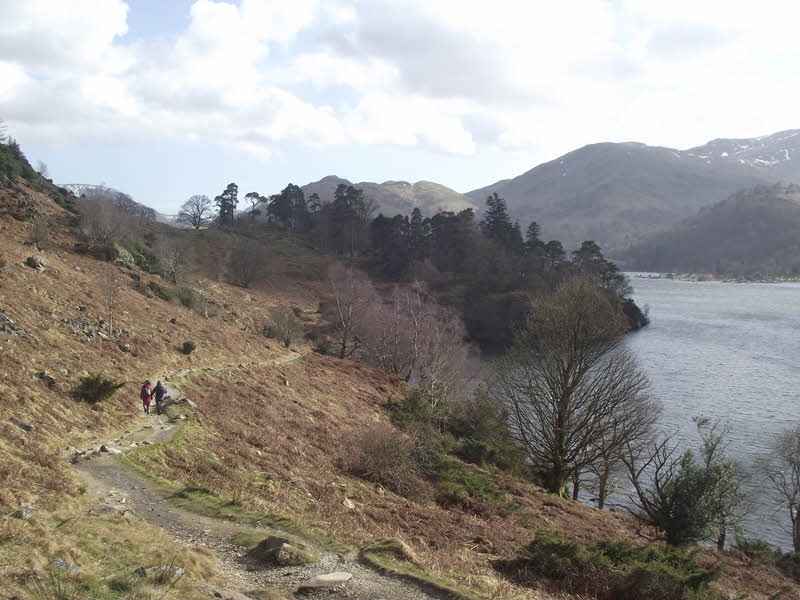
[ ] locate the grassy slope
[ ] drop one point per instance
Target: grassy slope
(271, 447)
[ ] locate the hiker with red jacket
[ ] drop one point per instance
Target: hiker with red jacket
(146, 395)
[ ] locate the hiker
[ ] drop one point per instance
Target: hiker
(146, 395)
(159, 392)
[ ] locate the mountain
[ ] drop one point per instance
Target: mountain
(618, 193)
(397, 197)
(755, 233)
(121, 199)
(773, 155)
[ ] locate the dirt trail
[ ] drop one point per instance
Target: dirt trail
(121, 489)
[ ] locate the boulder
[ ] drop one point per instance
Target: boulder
(35, 262)
(47, 378)
(283, 552)
(328, 580)
(110, 449)
(25, 510)
(124, 258)
(22, 424)
(124, 346)
(103, 511)
(57, 563)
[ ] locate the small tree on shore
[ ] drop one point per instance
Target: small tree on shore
(782, 469)
(689, 499)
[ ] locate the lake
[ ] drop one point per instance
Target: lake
(725, 351)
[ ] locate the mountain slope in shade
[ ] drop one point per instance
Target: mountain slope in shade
(616, 194)
(397, 197)
(755, 232)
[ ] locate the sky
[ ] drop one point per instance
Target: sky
(164, 99)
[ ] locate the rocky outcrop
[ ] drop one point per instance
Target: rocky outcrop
(283, 552)
(7, 325)
(636, 318)
(22, 424)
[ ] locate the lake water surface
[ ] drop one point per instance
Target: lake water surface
(725, 351)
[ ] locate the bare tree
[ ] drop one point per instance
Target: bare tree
(569, 385)
(102, 222)
(110, 288)
(195, 212)
(782, 468)
(288, 326)
(353, 300)
(40, 235)
(174, 257)
(41, 169)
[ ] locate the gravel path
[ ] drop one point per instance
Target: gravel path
(119, 487)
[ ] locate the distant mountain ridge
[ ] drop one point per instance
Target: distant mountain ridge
(754, 233)
(619, 193)
(397, 197)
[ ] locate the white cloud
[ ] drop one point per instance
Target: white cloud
(454, 76)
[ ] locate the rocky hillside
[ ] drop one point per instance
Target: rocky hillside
(121, 199)
(397, 197)
(755, 234)
(247, 487)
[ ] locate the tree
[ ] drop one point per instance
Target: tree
(41, 169)
(532, 240)
(173, 255)
(254, 198)
(353, 300)
(195, 212)
(246, 261)
(782, 469)
(497, 225)
(226, 204)
(590, 262)
(554, 253)
(288, 326)
(572, 390)
(690, 500)
(103, 223)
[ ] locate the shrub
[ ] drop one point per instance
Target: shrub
(325, 347)
(2, 263)
(161, 291)
(188, 347)
(270, 331)
(759, 550)
(96, 388)
(187, 297)
(385, 455)
(297, 311)
(617, 570)
(145, 259)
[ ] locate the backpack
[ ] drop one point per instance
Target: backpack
(146, 393)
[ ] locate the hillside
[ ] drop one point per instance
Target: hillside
(755, 234)
(397, 197)
(121, 199)
(259, 441)
(616, 193)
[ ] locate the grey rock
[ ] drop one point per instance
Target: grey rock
(22, 424)
(167, 572)
(129, 514)
(327, 580)
(25, 510)
(103, 511)
(66, 566)
(63, 371)
(35, 262)
(110, 449)
(124, 346)
(47, 378)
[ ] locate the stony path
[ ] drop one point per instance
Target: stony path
(120, 489)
